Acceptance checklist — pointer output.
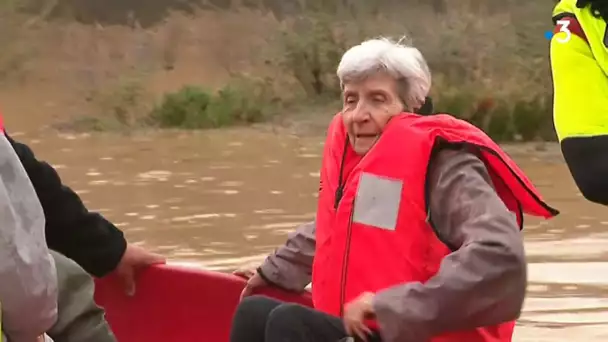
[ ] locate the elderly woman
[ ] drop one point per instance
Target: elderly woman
(417, 235)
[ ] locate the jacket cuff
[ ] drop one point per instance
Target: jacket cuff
(108, 262)
(392, 310)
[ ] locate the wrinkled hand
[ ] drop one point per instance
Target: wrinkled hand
(355, 314)
(135, 259)
(254, 280)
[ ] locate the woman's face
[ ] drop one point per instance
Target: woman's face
(368, 106)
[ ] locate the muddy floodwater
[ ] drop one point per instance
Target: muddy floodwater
(223, 199)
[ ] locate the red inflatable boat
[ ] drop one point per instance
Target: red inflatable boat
(176, 304)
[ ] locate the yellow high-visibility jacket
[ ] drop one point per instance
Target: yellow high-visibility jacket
(580, 73)
(579, 65)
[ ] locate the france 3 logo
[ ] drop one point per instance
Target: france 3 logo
(563, 28)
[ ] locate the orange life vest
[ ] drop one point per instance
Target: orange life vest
(377, 234)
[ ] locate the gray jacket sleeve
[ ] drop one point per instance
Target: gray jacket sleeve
(483, 282)
(28, 281)
(290, 266)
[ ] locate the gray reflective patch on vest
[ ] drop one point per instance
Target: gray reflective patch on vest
(377, 201)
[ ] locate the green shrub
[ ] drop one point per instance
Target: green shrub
(193, 107)
(185, 108)
(310, 51)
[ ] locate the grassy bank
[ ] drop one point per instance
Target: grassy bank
(218, 63)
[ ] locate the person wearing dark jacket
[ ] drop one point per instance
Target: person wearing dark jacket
(84, 243)
(86, 237)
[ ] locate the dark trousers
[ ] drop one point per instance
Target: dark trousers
(79, 317)
(262, 319)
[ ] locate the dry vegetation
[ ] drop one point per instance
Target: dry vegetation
(223, 62)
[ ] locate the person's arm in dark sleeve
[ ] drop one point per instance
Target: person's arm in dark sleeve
(481, 283)
(587, 160)
(83, 236)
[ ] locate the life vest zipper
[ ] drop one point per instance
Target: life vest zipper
(338, 197)
(341, 183)
(345, 260)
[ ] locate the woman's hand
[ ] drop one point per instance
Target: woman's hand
(254, 281)
(355, 314)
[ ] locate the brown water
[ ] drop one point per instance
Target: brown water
(223, 199)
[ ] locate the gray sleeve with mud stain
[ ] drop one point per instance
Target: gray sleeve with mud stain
(483, 282)
(290, 266)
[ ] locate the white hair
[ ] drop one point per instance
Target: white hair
(401, 61)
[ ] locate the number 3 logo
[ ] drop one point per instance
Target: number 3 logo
(563, 27)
